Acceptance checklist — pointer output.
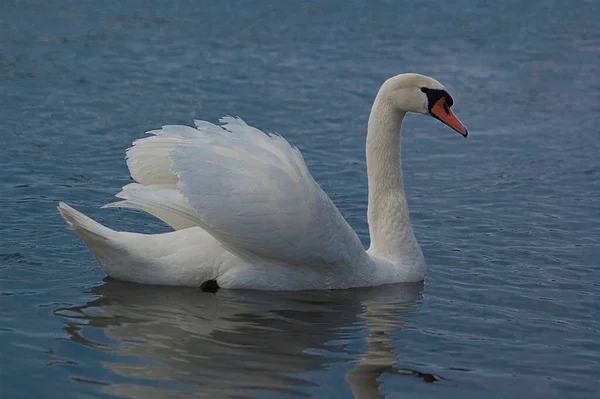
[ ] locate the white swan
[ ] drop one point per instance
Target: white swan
(248, 214)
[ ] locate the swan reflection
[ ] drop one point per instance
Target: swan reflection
(167, 341)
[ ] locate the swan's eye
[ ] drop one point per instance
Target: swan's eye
(433, 95)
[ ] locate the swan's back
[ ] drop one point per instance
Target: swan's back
(250, 192)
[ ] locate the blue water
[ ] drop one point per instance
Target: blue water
(508, 219)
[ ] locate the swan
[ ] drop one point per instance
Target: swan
(247, 213)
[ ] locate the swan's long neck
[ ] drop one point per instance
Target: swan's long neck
(391, 233)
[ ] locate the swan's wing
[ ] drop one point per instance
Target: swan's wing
(252, 191)
(164, 202)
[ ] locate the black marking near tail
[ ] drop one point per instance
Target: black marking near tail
(209, 286)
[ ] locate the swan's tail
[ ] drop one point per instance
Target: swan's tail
(83, 225)
(173, 258)
(95, 235)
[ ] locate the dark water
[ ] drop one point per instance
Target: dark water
(509, 219)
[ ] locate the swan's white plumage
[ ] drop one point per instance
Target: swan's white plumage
(250, 190)
(148, 160)
(164, 202)
(247, 212)
(253, 192)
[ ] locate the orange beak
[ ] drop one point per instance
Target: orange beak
(442, 111)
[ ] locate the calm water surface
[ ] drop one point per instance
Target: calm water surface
(509, 219)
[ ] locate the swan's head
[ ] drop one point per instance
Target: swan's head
(411, 92)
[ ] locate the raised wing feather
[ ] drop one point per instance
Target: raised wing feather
(250, 190)
(253, 192)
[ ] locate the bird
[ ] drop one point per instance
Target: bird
(247, 214)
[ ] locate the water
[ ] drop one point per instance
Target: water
(508, 219)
